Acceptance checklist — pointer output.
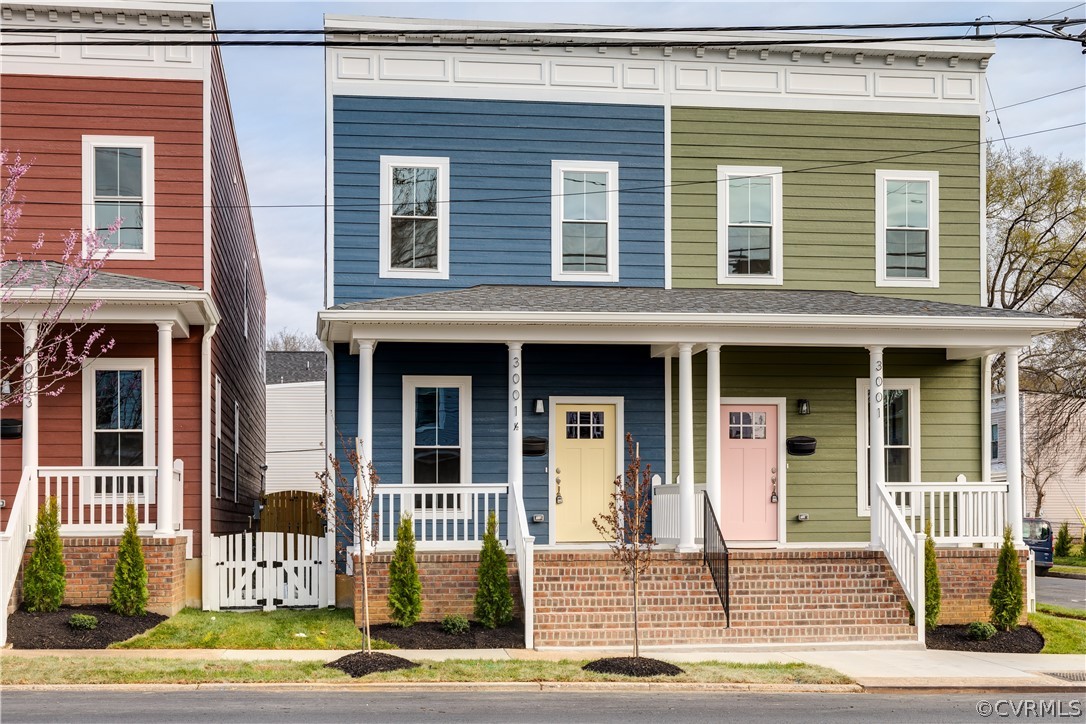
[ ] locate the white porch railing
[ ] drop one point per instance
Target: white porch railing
(665, 514)
(904, 549)
(447, 517)
(91, 500)
(20, 524)
(524, 546)
(958, 512)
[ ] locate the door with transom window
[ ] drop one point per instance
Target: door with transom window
(749, 472)
(584, 469)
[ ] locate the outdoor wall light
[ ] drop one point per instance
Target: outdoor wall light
(802, 517)
(803, 407)
(539, 408)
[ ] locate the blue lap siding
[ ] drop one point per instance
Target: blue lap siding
(500, 155)
(559, 370)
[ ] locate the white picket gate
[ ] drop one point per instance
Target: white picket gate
(269, 570)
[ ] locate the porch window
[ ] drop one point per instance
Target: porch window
(118, 422)
(414, 217)
(995, 442)
(749, 231)
(118, 183)
(901, 430)
(907, 228)
(584, 218)
(437, 430)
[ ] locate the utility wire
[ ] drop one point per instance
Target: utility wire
(1032, 100)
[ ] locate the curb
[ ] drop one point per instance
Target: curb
(453, 687)
(1061, 574)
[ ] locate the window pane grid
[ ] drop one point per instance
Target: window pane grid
(118, 194)
(414, 217)
(750, 226)
(118, 418)
(908, 227)
(584, 216)
(437, 450)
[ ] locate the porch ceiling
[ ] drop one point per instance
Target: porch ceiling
(664, 317)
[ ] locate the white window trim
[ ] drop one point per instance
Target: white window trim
(147, 145)
(443, 211)
(723, 174)
(881, 179)
(146, 365)
(410, 384)
(237, 445)
(218, 436)
(557, 205)
(863, 384)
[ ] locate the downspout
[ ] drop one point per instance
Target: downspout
(205, 465)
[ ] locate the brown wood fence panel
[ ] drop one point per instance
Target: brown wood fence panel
(291, 511)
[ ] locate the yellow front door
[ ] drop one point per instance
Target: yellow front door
(584, 470)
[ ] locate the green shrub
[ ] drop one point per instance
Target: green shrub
(404, 588)
(1062, 547)
(43, 581)
(981, 631)
(83, 621)
(1005, 600)
(493, 601)
(455, 624)
(129, 596)
(933, 592)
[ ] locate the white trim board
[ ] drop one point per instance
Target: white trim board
(863, 384)
(782, 461)
(412, 383)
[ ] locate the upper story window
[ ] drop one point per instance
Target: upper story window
(907, 228)
(119, 183)
(414, 217)
(584, 221)
(749, 233)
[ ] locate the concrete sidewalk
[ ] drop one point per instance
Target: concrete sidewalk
(880, 669)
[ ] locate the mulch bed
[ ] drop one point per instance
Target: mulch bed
(632, 666)
(360, 664)
(428, 635)
(51, 630)
(1023, 640)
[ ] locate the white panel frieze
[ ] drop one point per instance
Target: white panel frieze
(490, 71)
(959, 86)
(179, 54)
(355, 66)
(906, 86)
(749, 81)
(588, 75)
(646, 77)
(117, 52)
(693, 78)
(838, 84)
(33, 51)
(419, 68)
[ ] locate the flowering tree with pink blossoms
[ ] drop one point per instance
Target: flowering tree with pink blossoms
(48, 292)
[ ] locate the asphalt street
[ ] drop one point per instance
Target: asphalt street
(270, 706)
(1066, 592)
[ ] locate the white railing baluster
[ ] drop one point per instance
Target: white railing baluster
(446, 517)
(966, 513)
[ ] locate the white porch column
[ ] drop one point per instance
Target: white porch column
(516, 419)
(1014, 445)
(164, 525)
(712, 427)
(686, 450)
(30, 398)
(364, 440)
(876, 466)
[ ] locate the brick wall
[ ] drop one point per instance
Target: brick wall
(966, 576)
(90, 562)
(448, 585)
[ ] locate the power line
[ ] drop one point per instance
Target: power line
(1038, 98)
(546, 198)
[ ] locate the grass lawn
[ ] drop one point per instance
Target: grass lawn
(1062, 635)
(1052, 610)
(1078, 561)
(100, 670)
(327, 628)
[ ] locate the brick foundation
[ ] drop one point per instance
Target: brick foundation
(448, 585)
(966, 576)
(90, 561)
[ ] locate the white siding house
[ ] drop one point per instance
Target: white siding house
(295, 420)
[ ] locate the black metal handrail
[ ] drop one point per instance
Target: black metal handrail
(716, 557)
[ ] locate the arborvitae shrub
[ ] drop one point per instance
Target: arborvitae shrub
(493, 601)
(1063, 542)
(1005, 599)
(404, 588)
(129, 596)
(933, 591)
(43, 581)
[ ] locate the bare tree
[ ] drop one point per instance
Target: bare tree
(1047, 443)
(626, 522)
(352, 488)
(293, 340)
(49, 293)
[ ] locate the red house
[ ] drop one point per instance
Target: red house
(172, 416)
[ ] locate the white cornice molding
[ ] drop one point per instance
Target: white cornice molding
(127, 305)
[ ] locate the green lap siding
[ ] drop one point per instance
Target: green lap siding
(829, 161)
(824, 484)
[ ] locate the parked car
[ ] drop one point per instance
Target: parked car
(1037, 533)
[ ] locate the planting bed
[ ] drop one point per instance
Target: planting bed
(429, 635)
(1023, 640)
(51, 630)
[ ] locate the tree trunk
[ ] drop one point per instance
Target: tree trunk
(637, 642)
(366, 599)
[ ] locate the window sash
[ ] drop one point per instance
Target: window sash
(127, 201)
(585, 221)
(901, 460)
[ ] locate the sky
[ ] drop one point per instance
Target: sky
(277, 96)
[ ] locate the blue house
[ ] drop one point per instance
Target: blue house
(540, 244)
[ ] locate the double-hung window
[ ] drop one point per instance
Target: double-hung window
(414, 224)
(901, 435)
(750, 238)
(584, 221)
(119, 183)
(437, 430)
(907, 228)
(118, 424)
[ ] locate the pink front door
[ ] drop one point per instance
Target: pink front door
(748, 472)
